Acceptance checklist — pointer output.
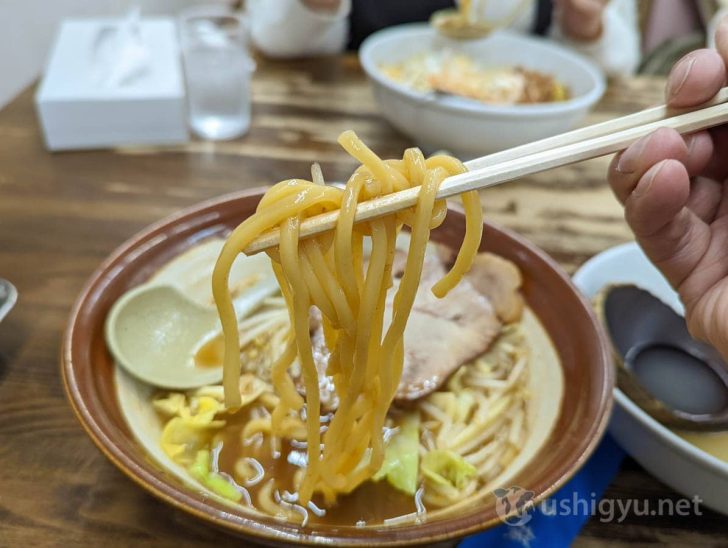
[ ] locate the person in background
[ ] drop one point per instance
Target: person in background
(603, 30)
(675, 196)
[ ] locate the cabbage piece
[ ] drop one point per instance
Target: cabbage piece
(446, 468)
(171, 405)
(401, 456)
(182, 438)
(200, 470)
(192, 428)
(203, 410)
(251, 388)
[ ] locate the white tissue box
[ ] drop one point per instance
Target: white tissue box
(77, 111)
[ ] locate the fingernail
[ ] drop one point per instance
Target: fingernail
(679, 75)
(628, 161)
(690, 143)
(643, 187)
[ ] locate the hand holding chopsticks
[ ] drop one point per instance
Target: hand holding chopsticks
(568, 148)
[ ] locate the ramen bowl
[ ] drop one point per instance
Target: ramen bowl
(102, 404)
(465, 127)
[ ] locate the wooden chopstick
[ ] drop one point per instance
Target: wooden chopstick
(568, 148)
(646, 116)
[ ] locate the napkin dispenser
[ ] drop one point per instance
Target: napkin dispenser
(113, 82)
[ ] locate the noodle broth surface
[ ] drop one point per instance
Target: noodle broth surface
(356, 507)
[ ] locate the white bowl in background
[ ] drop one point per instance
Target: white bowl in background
(674, 461)
(466, 127)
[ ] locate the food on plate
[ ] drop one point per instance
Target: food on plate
(459, 74)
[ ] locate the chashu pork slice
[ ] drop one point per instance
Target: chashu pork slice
(441, 334)
(498, 279)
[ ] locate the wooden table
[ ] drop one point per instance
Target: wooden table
(61, 214)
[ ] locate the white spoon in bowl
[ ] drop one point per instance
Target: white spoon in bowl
(154, 331)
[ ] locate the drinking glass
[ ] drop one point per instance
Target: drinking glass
(218, 69)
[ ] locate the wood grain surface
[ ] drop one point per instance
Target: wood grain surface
(61, 214)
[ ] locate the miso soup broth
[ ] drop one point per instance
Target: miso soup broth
(273, 477)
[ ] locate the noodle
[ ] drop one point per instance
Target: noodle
(328, 272)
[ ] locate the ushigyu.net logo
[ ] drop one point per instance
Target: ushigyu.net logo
(514, 506)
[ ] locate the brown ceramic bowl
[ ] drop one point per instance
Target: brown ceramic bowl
(88, 372)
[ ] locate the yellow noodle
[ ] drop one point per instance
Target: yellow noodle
(346, 248)
(328, 272)
(301, 303)
(282, 382)
(255, 426)
(327, 279)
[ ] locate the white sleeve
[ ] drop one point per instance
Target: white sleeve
(617, 50)
(287, 28)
